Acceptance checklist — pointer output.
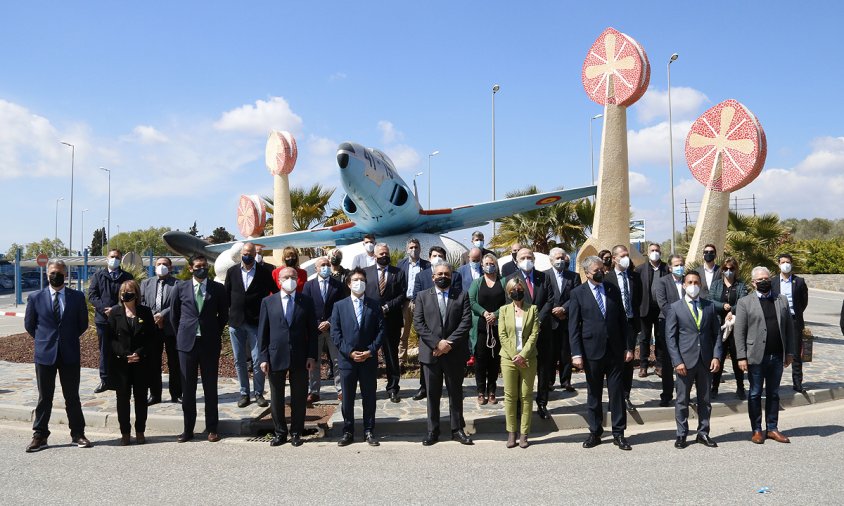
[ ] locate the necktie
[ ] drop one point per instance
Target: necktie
(627, 304)
(200, 298)
(324, 288)
(442, 306)
(382, 281)
(159, 296)
(694, 308)
(288, 312)
(114, 274)
(529, 285)
(600, 300)
(358, 310)
(57, 310)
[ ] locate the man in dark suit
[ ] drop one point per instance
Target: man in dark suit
(103, 290)
(511, 266)
(199, 312)
(797, 293)
(156, 294)
(471, 270)
(287, 330)
(388, 286)
(412, 264)
(357, 329)
(694, 343)
(442, 320)
(246, 286)
(56, 317)
(625, 278)
(666, 291)
(539, 293)
(648, 273)
(324, 290)
(562, 282)
(601, 342)
(709, 270)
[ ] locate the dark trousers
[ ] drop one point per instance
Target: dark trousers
(768, 372)
(629, 367)
(390, 348)
(487, 361)
(131, 381)
(206, 358)
(610, 368)
(665, 362)
(701, 377)
(546, 361)
(562, 353)
(797, 363)
(650, 325)
(729, 346)
(365, 374)
(298, 399)
(453, 375)
(102, 329)
(163, 343)
(45, 376)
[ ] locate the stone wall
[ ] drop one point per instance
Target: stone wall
(833, 282)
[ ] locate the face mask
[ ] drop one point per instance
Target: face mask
(383, 261)
(517, 295)
(127, 296)
(479, 244)
(290, 262)
(607, 261)
(413, 253)
(692, 290)
(200, 273)
(763, 286)
(369, 247)
(442, 283)
(559, 264)
(113, 263)
(624, 263)
(259, 258)
(709, 256)
(598, 276)
(358, 286)
(56, 279)
(288, 285)
(162, 270)
(247, 259)
(474, 265)
(526, 265)
(678, 271)
(435, 261)
(324, 271)
(729, 274)
(654, 256)
(785, 268)
(490, 268)
(335, 261)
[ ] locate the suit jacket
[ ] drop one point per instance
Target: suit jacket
(799, 295)
(103, 292)
(186, 317)
(361, 261)
(591, 334)
(560, 298)
(704, 286)
(635, 288)
(335, 291)
(245, 304)
(286, 346)
(124, 339)
(751, 332)
(665, 293)
(395, 293)
(716, 291)
(431, 328)
(425, 281)
(508, 268)
(148, 293)
(541, 298)
(646, 272)
(507, 332)
(56, 338)
(465, 272)
(686, 343)
(348, 336)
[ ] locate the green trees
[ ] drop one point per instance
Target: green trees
(141, 241)
(755, 240)
(310, 209)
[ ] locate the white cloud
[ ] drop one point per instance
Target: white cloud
(148, 135)
(337, 76)
(686, 103)
(274, 114)
(649, 146)
(639, 183)
(29, 144)
(403, 156)
(389, 134)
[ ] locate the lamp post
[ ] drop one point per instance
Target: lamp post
(56, 233)
(671, 149)
(415, 191)
(109, 203)
(592, 145)
(435, 153)
(102, 239)
(495, 89)
(72, 162)
(82, 231)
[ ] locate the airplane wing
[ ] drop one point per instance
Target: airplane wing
(345, 233)
(474, 215)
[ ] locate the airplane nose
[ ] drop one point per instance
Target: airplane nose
(343, 158)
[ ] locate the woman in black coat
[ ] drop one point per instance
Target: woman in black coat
(725, 293)
(131, 331)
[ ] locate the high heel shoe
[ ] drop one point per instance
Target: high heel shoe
(511, 440)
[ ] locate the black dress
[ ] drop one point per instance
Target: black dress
(487, 361)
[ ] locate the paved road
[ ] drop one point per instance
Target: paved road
(824, 309)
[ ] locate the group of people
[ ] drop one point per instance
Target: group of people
(525, 325)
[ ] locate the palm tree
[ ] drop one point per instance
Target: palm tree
(309, 208)
(754, 240)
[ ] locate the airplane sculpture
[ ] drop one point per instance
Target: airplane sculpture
(379, 202)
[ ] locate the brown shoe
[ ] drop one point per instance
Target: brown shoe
(492, 399)
(658, 371)
(643, 372)
(778, 436)
(125, 440)
(511, 440)
(758, 438)
(37, 444)
(140, 439)
(213, 437)
(340, 397)
(523, 443)
(82, 442)
(482, 400)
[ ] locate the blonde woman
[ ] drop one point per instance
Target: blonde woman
(518, 328)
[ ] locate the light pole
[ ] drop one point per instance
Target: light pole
(82, 231)
(415, 191)
(671, 149)
(72, 162)
(102, 239)
(56, 233)
(592, 145)
(109, 203)
(495, 89)
(435, 153)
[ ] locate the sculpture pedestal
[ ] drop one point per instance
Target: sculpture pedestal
(711, 226)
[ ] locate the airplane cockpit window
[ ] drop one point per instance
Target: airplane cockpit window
(349, 206)
(399, 196)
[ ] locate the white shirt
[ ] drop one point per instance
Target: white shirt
(709, 274)
(286, 299)
(53, 293)
(621, 275)
(592, 286)
(476, 272)
(519, 328)
(413, 268)
(679, 285)
(247, 275)
(559, 275)
(786, 289)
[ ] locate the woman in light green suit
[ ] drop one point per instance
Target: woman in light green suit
(518, 329)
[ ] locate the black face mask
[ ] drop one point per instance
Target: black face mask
(709, 256)
(442, 283)
(598, 277)
(608, 261)
(247, 259)
(128, 296)
(517, 295)
(56, 279)
(383, 261)
(764, 286)
(335, 261)
(290, 262)
(200, 273)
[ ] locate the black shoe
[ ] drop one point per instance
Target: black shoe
(542, 411)
(394, 396)
(629, 404)
(100, 388)
(621, 442)
(82, 442)
(296, 439)
(705, 440)
(713, 394)
(664, 404)
(741, 394)
(421, 394)
(461, 437)
(38, 443)
(346, 440)
(153, 400)
(431, 438)
(184, 437)
(568, 388)
(176, 400)
(244, 401)
(592, 441)
(370, 439)
(799, 388)
(681, 442)
(278, 440)
(260, 401)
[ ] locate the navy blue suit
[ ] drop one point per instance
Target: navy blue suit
(465, 272)
(103, 290)
(395, 294)
(57, 351)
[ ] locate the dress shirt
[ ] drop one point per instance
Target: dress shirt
(786, 289)
(679, 285)
(620, 275)
(285, 299)
(413, 268)
(709, 273)
(247, 275)
(519, 329)
(53, 292)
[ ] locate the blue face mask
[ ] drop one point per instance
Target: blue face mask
(475, 265)
(490, 268)
(247, 259)
(324, 271)
(678, 270)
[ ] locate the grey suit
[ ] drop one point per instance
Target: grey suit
(165, 338)
(694, 347)
(664, 292)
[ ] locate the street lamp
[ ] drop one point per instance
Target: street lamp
(415, 191)
(435, 153)
(109, 203)
(82, 231)
(72, 161)
(495, 89)
(671, 149)
(102, 239)
(592, 145)
(56, 233)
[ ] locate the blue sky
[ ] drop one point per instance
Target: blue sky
(177, 99)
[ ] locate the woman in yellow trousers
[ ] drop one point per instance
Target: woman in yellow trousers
(518, 328)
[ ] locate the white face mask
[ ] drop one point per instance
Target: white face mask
(654, 256)
(288, 285)
(692, 290)
(259, 258)
(113, 263)
(324, 271)
(369, 247)
(526, 265)
(624, 263)
(161, 270)
(358, 287)
(435, 261)
(479, 244)
(785, 268)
